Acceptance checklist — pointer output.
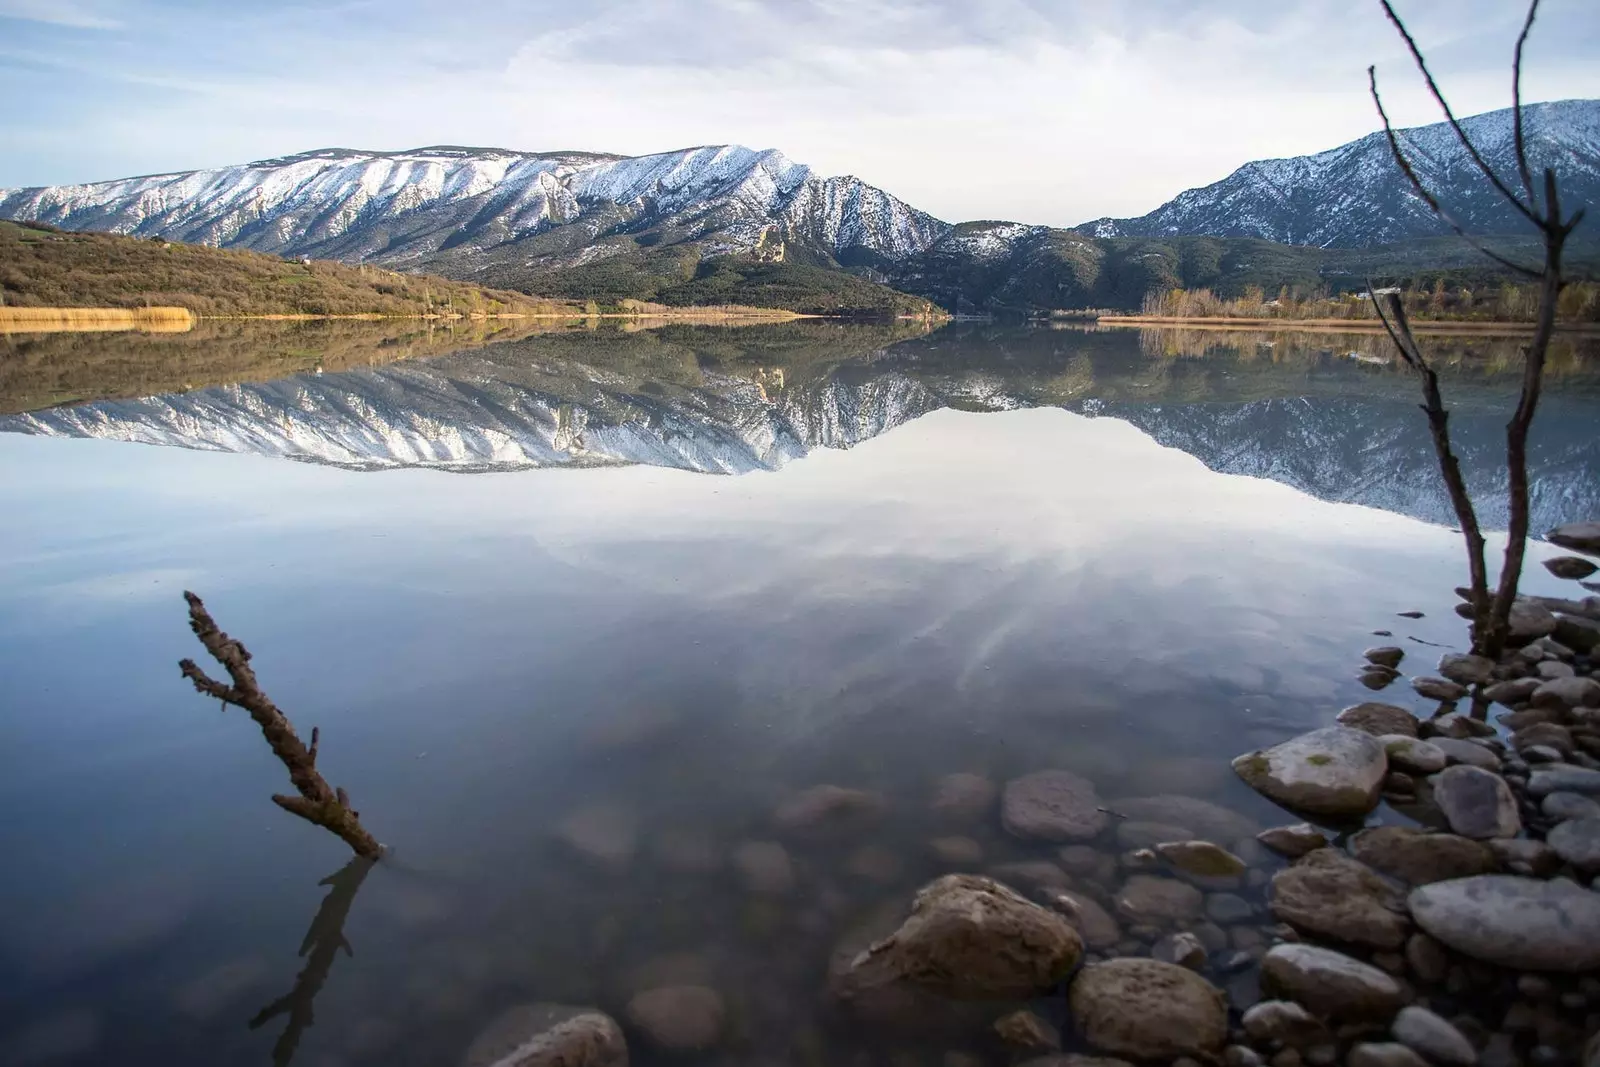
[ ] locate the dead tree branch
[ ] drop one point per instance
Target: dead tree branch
(318, 802)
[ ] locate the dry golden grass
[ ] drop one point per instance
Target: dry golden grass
(77, 320)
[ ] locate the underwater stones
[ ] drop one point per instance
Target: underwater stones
(1419, 858)
(1284, 1022)
(1328, 894)
(1183, 949)
(1476, 803)
(1579, 536)
(1333, 771)
(605, 833)
(828, 807)
(1203, 863)
(1051, 806)
(764, 867)
(1146, 898)
(972, 938)
(874, 863)
(1093, 922)
(1293, 841)
(549, 1035)
(686, 1018)
(964, 797)
(1329, 983)
(1027, 1031)
(1203, 819)
(1378, 719)
(1513, 921)
(1147, 1009)
(956, 851)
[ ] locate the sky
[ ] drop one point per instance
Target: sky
(1041, 111)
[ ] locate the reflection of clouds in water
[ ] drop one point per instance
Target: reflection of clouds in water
(118, 916)
(103, 595)
(62, 1036)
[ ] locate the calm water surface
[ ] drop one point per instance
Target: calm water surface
(664, 582)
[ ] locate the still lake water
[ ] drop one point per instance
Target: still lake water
(670, 578)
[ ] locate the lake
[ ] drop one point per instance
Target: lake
(577, 612)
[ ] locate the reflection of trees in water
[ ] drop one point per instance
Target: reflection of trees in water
(320, 948)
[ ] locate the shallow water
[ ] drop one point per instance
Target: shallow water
(997, 589)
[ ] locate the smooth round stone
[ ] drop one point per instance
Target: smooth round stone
(1512, 921)
(1203, 862)
(1563, 806)
(1551, 669)
(1228, 908)
(1148, 1009)
(1328, 894)
(1284, 1022)
(1476, 802)
(1418, 857)
(1149, 899)
(1293, 841)
(1513, 692)
(1466, 669)
(1581, 780)
(1442, 689)
(1093, 922)
(1577, 841)
(1330, 983)
(1391, 655)
(1422, 1031)
(1027, 1031)
(1383, 1054)
(1332, 771)
(1378, 719)
(1471, 753)
(1413, 754)
(1052, 806)
(1567, 693)
(1569, 567)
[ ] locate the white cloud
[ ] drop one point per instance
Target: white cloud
(57, 13)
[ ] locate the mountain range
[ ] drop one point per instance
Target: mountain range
(712, 224)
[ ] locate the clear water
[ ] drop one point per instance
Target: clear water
(1012, 586)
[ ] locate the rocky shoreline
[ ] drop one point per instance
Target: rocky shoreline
(1439, 907)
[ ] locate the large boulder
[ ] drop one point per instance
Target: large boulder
(1052, 806)
(1419, 858)
(1328, 894)
(1148, 1010)
(1379, 719)
(549, 1035)
(1477, 803)
(1330, 983)
(1579, 536)
(1513, 921)
(969, 938)
(1332, 771)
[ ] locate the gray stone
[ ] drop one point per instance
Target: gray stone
(969, 938)
(1148, 899)
(1148, 1010)
(1228, 908)
(1580, 633)
(1542, 754)
(1419, 858)
(549, 1035)
(1283, 1022)
(1328, 894)
(1564, 806)
(1442, 689)
(686, 1018)
(1376, 678)
(1391, 655)
(964, 797)
(1202, 818)
(1476, 803)
(1378, 719)
(1512, 921)
(1427, 958)
(1422, 1031)
(1413, 754)
(1457, 725)
(1293, 841)
(1467, 669)
(1052, 806)
(1545, 781)
(1513, 692)
(1579, 536)
(1383, 1054)
(1569, 567)
(1552, 669)
(1522, 855)
(1544, 733)
(1332, 771)
(765, 867)
(1577, 841)
(1330, 983)
(1469, 752)
(1530, 620)
(1567, 693)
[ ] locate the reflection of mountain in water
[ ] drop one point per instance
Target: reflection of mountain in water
(1332, 427)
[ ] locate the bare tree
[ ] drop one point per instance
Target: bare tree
(1542, 211)
(318, 802)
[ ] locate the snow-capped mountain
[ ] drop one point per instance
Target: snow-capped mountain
(1355, 196)
(1333, 429)
(441, 206)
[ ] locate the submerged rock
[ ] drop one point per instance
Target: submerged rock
(1476, 803)
(1513, 921)
(1293, 841)
(1093, 922)
(1147, 899)
(1330, 983)
(956, 851)
(828, 806)
(970, 938)
(1027, 1031)
(1332, 771)
(1148, 1009)
(765, 867)
(964, 797)
(1203, 863)
(684, 1018)
(606, 833)
(1203, 819)
(549, 1035)
(1329, 894)
(1052, 806)
(1419, 858)
(1378, 719)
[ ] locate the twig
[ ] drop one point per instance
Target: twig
(1516, 107)
(318, 802)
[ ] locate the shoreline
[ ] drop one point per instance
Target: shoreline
(1515, 329)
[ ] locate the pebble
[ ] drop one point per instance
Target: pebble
(1564, 779)
(1422, 1031)
(1293, 841)
(1228, 908)
(1466, 669)
(1027, 1031)
(1184, 949)
(1427, 958)
(1147, 898)
(1283, 1022)
(1468, 752)
(1577, 841)
(1379, 719)
(1476, 803)
(1561, 806)
(1330, 983)
(1441, 689)
(1413, 754)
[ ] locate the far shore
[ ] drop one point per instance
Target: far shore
(1339, 325)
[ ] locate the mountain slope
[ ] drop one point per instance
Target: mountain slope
(1355, 196)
